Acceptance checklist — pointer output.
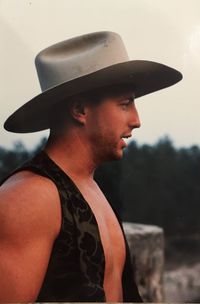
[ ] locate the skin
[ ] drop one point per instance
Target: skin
(30, 213)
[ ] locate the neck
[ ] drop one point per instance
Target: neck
(72, 154)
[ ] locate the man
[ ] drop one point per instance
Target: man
(60, 239)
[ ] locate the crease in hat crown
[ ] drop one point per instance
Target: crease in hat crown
(79, 56)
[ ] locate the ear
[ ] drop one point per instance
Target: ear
(78, 111)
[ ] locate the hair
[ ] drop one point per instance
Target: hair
(61, 116)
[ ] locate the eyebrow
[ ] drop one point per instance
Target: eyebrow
(127, 96)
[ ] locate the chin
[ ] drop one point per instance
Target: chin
(116, 156)
(111, 155)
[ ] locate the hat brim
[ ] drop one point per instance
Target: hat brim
(145, 76)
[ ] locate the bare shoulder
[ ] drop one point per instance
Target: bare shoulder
(29, 200)
(29, 223)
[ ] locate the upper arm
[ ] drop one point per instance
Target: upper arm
(29, 223)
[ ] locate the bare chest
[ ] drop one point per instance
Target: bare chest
(111, 237)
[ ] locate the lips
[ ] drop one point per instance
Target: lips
(126, 136)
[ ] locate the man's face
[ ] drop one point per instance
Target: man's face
(108, 123)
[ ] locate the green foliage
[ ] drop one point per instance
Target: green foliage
(153, 184)
(157, 185)
(10, 159)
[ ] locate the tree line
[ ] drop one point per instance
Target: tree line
(152, 184)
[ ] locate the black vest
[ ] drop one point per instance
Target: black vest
(76, 268)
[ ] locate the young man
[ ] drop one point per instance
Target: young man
(60, 239)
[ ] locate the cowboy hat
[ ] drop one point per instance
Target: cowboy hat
(85, 63)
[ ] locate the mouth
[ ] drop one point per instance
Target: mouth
(126, 136)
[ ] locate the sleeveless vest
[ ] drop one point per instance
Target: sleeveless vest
(75, 271)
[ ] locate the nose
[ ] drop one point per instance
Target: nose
(134, 120)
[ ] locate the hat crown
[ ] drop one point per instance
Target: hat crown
(79, 56)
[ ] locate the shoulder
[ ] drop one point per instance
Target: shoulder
(27, 201)
(29, 225)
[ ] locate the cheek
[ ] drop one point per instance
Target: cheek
(106, 124)
(113, 119)
(94, 129)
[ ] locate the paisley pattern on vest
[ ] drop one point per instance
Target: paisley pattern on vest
(76, 268)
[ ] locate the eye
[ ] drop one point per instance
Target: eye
(127, 102)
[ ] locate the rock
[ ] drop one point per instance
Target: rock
(147, 245)
(182, 284)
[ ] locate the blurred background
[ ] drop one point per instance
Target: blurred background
(158, 180)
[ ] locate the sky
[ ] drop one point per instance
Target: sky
(163, 31)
